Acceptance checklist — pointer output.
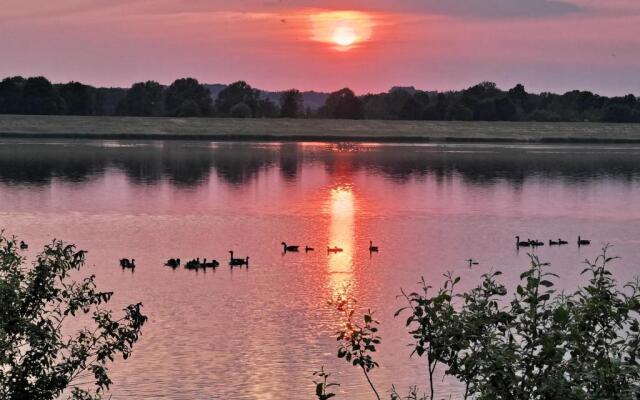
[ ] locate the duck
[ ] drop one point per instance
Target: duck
(553, 243)
(212, 264)
(173, 263)
(583, 242)
(471, 262)
(289, 248)
(308, 249)
(125, 263)
(334, 249)
(193, 264)
(372, 248)
(237, 261)
(521, 243)
(561, 242)
(23, 245)
(536, 243)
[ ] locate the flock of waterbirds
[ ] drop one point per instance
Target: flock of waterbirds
(197, 264)
(533, 243)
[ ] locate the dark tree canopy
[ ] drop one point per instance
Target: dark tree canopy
(291, 104)
(237, 92)
(144, 99)
(343, 104)
(187, 98)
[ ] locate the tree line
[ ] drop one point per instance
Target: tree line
(187, 97)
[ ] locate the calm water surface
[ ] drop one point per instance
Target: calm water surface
(259, 333)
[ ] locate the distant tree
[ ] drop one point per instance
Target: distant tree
(241, 110)
(42, 355)
(11, 95)
(267, 109)
(342, 104)
(79, 99)
(291, 104)
(396, 100)
(147, 99)
(411, 110)
(374, 106)
(237, 92)
(459, 112)
(617, 113)
(180, 95)
(108, 100)
(40, 97)
(505, 109)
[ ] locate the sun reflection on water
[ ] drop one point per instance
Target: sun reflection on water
(341, 234)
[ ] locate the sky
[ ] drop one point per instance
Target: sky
(369, 46)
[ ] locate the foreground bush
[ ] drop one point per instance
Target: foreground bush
(36, 360)
(541, 344)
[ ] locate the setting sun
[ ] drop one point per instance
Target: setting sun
(345, 29)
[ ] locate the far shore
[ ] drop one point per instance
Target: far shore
(313, 130)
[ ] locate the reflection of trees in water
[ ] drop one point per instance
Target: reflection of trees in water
(191, 163)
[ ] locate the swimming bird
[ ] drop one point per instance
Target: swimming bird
(173, 263)
(192, 264)
(553, 243)
(536, 243)
(372, 248)
(561, 242)
(521, 243)
(290, 248)
(471, 262)
(334, 249)
(308, 249)
(212, 264)
(125, 263)
(23, 245)
(583, 242)
(237, 261)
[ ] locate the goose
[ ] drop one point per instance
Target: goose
(125, 263)
(23, 245)
(238, 261)
(372, 248)
(213, 264)
(193, 264)
(471, 262)
(173, 263)
(289, 248)
(334, 249)
(561, 242)
(308, 249)
(553, 243)
(536, 243)
(583, 242)
(521, 244)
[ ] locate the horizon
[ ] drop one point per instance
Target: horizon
(548, 46)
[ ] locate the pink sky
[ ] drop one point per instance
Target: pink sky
(548, 45)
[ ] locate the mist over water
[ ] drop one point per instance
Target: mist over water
(259, 333)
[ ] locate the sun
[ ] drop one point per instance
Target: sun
(344, 36)
(342, 29)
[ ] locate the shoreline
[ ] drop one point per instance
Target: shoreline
(313, 130)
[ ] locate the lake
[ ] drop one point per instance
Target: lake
(260, 332)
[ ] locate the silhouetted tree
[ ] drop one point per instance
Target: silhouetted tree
(11, 93)
(241, 110)
(342, 104)
(40, 97)
(79, 99)
(183, 94)
(147, 99)
(237, 92)
(291, 104)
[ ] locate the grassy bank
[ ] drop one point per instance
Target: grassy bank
(313, 130)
